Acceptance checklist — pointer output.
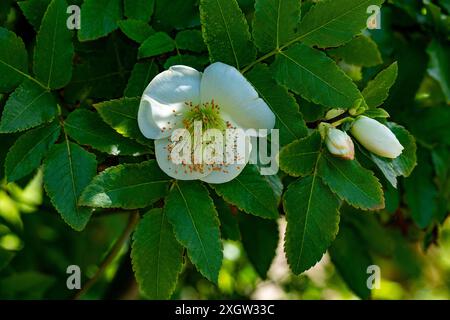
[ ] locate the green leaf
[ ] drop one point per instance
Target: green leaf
(350, 257)
(191, 40)
(440, 67)
(226, 33)
(351, 182)
(377, 90)
(87, 128)
(191, 212)
(196, 62)
(13, 60)
(312, 214)
(361, 51)
(27, 153)
(68, 169)
(99, 18)
(180, 14)
(260, 240)
(121, 115)
(275, 23)
(54, 49)
(142, 74)
(299, 158)
(139, 9)
(288, 118)
(155, 45)
(156, 255)
(129, 186)
(315, 77)
(376, 113)
(136, 30)
(29, 106)
(229, 226)
(331, 23)
(250, 192)
(34, 10)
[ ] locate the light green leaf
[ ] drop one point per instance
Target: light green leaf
(312, 214)
(315, 77)
(376, 113)
(288, 118)
(191, 212)
(121, 115)
(251, 193)
(142, 74)
(13, 60)
(377, 90)
(129, 186)
(156, 256)
(350, 257)
(87, 128)
(226, 33)
(155, 45)
(99, 18)
(29, 106)
(331, 23)
(275, 23)
(361, 51)
(27, 152)
(68, 169)
(139, 9)
(260, 240)
(54, 49)
(351, 182)
(136, 30)
(34, 10)
(191, 40)
(299, 158)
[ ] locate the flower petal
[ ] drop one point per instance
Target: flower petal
(236, 97)
(164, 100)
(177, 171)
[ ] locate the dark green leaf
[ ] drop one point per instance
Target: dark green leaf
(136, 30)
(440, 66)
(141, 76)
(34, 10)
(139, 9)
(156, 44)
(229, 226)
(13, 60)
(377, 90)
(196, 62)
(361, 51)
(191, 40)
(99, 18)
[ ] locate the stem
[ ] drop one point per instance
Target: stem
(134, 218)
(264, 57)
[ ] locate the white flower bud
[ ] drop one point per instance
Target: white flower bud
(340, 144)
(376, 137)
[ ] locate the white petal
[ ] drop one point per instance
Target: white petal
(164, 101)
(236, 97)
(177, 171)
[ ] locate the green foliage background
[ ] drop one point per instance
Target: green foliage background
(77, 176)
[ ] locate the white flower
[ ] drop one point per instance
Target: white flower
(376, 137)
(220, 97)
(340, 144)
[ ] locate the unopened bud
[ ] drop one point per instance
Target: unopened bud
(340, 144)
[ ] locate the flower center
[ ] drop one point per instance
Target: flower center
(208, 114)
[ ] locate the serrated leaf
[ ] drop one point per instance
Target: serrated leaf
(312, 214)
(300, 157)
(191, 40)
(351, 259)
(13, 60)
(129, 186)
(191, 212)
(351, 182)
(142, 74)
(99, 18)
(155, 45)
(139, 9)
(226, 33)
(251, 193)
(54, 49)
(87, 128)
(229, 226)
(361, 51)
(331, 23)
(377, 90)
(29, 106)
(315, 77)
(121, 115)
(27, 152)
(68, 169)
(288, 118)
(196, 62)
(156, 255)
(34, 10)
(260, 241)
(136, 30)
